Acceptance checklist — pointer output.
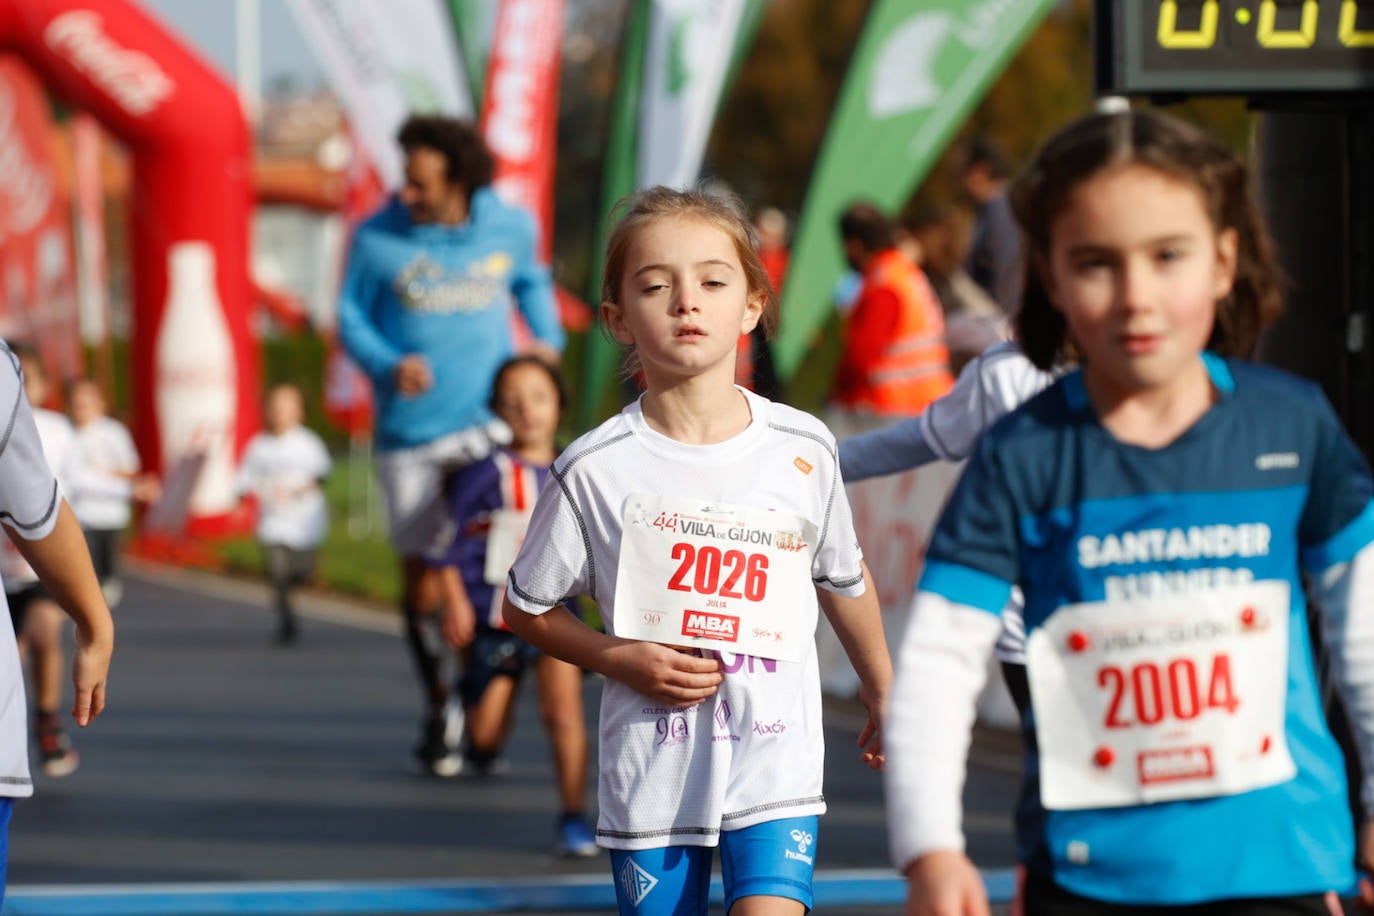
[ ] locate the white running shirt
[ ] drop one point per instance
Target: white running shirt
(753, 753)
(106, 460)
(281, 470)
(28, 506)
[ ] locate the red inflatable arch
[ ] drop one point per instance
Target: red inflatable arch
(194, 369)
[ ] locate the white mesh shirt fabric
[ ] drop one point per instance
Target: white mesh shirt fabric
(996, 382)
(29, 499)
(753, 753)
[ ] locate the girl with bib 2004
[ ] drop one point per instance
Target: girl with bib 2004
(707, 522)
(1162, 509)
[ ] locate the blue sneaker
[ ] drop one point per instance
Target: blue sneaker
(575, 838)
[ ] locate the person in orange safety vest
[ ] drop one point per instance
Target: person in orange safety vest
(894, 360)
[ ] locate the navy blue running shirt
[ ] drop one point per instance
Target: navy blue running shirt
(502, 480)
(1265, 486)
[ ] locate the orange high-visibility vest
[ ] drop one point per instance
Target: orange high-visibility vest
(914, 367)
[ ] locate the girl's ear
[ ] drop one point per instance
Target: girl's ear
(753, 311)
(1228, 254)
(614, 318)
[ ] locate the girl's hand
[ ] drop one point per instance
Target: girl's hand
(871, 738)
(669, 676)
(90, 671)
(458, 621)
(945, 884)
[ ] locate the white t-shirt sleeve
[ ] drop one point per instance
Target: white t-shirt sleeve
(941, 666)
(124, 446)
(1344, 593)
(29, 496)
(552, 563)
(995, 383)
(246, 479)
(838, 564)
(318, 463)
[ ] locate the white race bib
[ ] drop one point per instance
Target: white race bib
(507, 533)
(1157, 700)
(716, 576)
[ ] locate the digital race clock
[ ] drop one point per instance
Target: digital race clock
(1234, 47)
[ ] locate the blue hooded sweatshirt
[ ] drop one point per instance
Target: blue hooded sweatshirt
(442, 292)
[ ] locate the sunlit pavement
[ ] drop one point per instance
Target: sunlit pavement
(231, 775)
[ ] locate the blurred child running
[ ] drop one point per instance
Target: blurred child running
(708, 523)
(1160, 508)
(107, 478)
(283, 467)
(490, 502)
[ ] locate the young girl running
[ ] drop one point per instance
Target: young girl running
(1160, 508)
(490, 504)
(706, 521)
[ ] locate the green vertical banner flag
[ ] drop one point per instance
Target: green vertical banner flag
(474, 23)
(676, 62)
(919, 68)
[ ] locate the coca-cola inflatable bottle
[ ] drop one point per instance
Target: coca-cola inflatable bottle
(195, 379)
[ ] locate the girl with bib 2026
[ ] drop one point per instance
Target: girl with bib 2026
(709, 523)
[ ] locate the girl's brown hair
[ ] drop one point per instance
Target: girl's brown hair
(1173, 147)
(723, 210)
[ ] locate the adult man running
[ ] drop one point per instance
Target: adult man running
(424, 311)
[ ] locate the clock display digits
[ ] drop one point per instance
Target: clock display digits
(1352, 37)
(1301, 37)
(1204, 36)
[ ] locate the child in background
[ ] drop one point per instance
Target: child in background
(106, 480)
(1160, 509)
(46, 533)
(36, 616)
(490, 502)
(708, 523)
(283, 467)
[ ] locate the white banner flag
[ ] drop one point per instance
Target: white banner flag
(385, 60)
(690, 47)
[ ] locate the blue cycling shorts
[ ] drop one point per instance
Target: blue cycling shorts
(773, 859)
(6, 811)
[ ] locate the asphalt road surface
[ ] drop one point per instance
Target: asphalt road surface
(231, 775)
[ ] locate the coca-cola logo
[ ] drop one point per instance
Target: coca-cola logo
(133, 79)
(26, 184)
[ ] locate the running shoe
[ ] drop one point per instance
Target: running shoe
(486, 764)
(433, 752)
(55, 749)
(575, 838)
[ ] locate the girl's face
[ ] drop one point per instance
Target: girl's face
(1136, 267)
(88, 404)
(684, 301)
(528, 401)
(35, 380)
(284, 410)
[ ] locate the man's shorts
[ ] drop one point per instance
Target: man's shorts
(412, 482)
(493, 653)
(772, 859)
(21, 600)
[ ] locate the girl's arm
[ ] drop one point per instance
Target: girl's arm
(899, 447)
(458, 622)
(941, 667)
(64, 567)
(859, 626)
(666, 675)
(1345, 595)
